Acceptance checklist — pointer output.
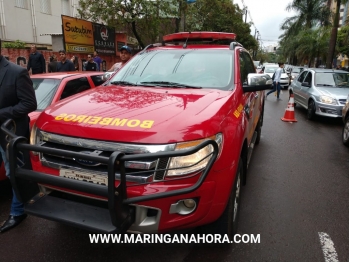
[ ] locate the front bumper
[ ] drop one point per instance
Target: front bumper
(344, 111)
(119, 208)
(328, 110)
(284, 82)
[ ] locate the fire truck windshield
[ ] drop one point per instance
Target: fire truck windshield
(188, 67)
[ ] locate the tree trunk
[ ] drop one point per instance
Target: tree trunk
(333, 38)
(135, 33)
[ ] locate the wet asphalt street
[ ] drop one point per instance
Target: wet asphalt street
(297, 190)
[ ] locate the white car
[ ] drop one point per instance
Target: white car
(284, 80)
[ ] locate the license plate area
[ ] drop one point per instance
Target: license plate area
(84, 176)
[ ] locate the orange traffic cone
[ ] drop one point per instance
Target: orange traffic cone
(289, 112)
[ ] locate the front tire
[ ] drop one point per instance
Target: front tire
(227, 223)
(345, 133)
(311, 110)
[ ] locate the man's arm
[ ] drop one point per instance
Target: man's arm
(26, 98)
(43, 64)
(29, 64)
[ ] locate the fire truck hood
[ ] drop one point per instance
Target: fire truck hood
(138, 114)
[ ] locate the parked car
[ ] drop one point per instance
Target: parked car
(52, 87)
(295, 71)
(345, 117)
(284, 80)
(321, 91)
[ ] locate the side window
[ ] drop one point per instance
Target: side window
(308, 78)
(98, 80)
(246, 66)
(301, 77)
(75, 86)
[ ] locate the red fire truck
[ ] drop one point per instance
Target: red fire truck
(164, 145)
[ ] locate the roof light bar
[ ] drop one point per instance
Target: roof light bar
(184, 36)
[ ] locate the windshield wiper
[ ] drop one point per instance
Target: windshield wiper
(324, 85)
(123, 83)
(170, 84)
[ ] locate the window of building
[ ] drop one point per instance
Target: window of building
(21, 4)
(45, 6)
(65, 7)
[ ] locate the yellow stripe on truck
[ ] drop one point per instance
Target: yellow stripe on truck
(105, 121)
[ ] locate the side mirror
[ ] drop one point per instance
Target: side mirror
(257, 82)
(305, 84)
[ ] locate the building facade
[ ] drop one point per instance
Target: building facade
(32, 20)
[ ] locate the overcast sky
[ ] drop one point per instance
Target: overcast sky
(267, 15)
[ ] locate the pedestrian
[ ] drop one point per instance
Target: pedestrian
(17, 100)
(97, 59)
(125, 55)
(75, 61)
(276, 82)
(65, 65)
(36, 61)
(52, 66)
(90, 64)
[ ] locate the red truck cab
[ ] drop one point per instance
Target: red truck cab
(163, 145)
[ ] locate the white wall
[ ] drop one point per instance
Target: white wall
(19, 21)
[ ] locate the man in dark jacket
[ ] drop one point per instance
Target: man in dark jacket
(90, 65)
(17, 100)
(52, 66)
(36, 61)
(65, 65)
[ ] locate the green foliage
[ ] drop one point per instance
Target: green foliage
(343, 40)
(306, 34)
(150, 20)
(17, 44)
(219, 16)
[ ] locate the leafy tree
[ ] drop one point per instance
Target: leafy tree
(343, 40)
(220, 16)
(149, 20)
(145, 19)
(333, 39)
(309, 13)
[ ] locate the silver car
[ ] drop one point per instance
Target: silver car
(321, 91)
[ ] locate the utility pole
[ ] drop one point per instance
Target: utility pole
(255, 51)
(245, 14)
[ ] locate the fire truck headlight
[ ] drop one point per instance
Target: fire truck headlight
(184, 165)
(35, 137)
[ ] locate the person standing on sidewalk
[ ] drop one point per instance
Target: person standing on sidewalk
(90, 65)
(17, 100)
(125, 55)
(276, 83)
(97, 60)
(65, 65)
(36, 61)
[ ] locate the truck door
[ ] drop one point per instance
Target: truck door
(253, 99)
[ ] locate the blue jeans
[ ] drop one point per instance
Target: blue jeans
(17, 207)
(275, 87)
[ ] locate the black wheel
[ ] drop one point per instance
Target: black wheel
(311, 110)
(345, 134)
(227, 223)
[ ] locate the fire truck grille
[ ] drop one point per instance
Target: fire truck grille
(148, 170)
